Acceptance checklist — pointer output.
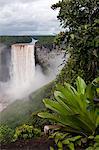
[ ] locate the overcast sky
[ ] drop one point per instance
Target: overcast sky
(22, 17)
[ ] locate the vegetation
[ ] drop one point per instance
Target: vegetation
(80, 19)
(26, 132)
(59, 39)
(39, 122)
(45, 40)
(21, 111)
(72, 142)
(65, 140)
(74, 108)
(42, 40)
(9, 40)
(75, 111)
(6, 134)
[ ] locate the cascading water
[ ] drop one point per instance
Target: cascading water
(23, 64)
(22, 72)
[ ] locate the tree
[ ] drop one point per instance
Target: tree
(80, 19)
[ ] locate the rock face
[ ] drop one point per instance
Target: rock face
(4, 64)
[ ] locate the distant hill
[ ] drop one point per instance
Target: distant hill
(42, 40)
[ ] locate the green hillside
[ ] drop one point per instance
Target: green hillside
(20, 111)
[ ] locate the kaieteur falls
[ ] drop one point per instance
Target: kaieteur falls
(24, 76)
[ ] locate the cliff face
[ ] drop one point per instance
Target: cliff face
(4, 65)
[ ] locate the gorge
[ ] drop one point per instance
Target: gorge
(25, 76)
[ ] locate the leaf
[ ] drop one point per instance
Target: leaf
(95, 53)
(81, 85)
(96, 21)
(60, 145)
(55, 106)
(97, 148)
(71, 146)
(72, 36)
(97, 138)
(90, 93)
(47, 115)
(51, 148)
(71, 97)
(65, 142)
(84, 140)
(89, 148)
(59, 97)
(73, 139)
(96, 80)
(91, 137)
(78, 142)
(72, 109)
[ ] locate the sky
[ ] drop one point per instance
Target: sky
(28, 17)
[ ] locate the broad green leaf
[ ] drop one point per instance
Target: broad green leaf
(59, 97)
(81, 85)
(65, 142)
(47, 115)
(71, 99)
(55, 106)
(72, 109)
(71, 146)
(73, 139)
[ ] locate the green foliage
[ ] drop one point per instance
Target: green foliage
(45, 40)
(42, 40)
(9, 40)
(6, 134)
(72, 142)
(59, 38)
(26, 132)
(94, 144)
(39, 122)
(80, 18)
(65, 140)
(74, 108)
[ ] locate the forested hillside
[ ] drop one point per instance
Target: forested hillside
(42, 40)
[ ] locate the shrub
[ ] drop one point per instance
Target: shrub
(26, 132)
(73, 142)
(74, 108)
(6, 134)
(39, 122)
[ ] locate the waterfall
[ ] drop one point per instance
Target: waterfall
(23, 64)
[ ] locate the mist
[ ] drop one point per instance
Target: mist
(9, 92)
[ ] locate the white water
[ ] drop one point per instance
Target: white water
(23, 64)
